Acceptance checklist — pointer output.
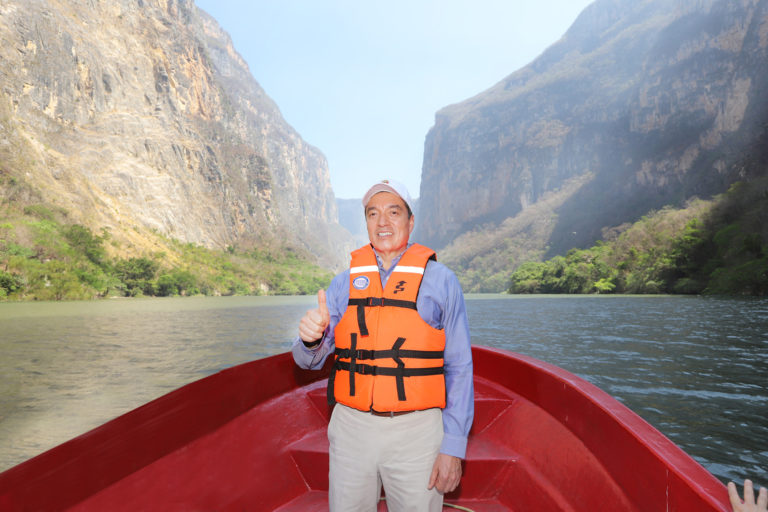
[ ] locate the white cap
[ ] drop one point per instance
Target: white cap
(392, 186)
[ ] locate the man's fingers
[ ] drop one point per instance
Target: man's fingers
(322, 306)
(762, 499)
(733, 495)
(432, 478)
(749, 494)
(312, 325)
(309, 331)
(315, 317)
(321, 298)
(446, 484)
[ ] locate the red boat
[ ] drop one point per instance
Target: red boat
(253, 437)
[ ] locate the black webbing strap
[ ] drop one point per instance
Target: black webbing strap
(361, 320)
(352, 365)
(398, 373)
(399, 378)
(367, 369)
(378, 301)
(374, 302)
(345, 353)
(330, 395)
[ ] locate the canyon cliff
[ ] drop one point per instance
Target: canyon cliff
(139, 117)
(641, 104)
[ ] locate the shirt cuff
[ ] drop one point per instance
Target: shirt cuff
(309, 358)
(454, 445)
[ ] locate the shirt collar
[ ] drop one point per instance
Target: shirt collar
(395, 261)
(386, 273)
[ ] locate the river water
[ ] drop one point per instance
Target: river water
(695, 368)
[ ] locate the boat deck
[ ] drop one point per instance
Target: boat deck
(485, 457)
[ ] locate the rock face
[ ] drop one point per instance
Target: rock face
(351, 217)
(140, 116)
(643, 103)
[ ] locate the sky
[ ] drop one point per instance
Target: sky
(361, 80)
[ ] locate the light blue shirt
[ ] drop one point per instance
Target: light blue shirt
(440, 303)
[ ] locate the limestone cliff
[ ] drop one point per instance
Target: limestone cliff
(140, 116)
(641, 104)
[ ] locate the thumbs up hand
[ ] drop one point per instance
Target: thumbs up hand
(315, 321)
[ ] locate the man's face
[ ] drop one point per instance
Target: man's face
(389, 226)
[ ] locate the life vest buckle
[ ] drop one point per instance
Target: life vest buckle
(375, 301)
(365, 354)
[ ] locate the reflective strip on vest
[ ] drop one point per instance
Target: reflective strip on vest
(362, 270)
(410, 270)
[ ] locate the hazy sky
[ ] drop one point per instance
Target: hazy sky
(361, 79)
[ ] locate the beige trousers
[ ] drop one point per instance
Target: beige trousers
(367, 451)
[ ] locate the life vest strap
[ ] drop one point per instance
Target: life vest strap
(352, 365)
(398, 373)
(346, 353)
(371, 369)
(395, 353)
(376, 302)
(381, 301)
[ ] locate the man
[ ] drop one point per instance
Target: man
(396, 324)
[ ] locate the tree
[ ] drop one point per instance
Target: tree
(10, 283)
(137, 274)
(81, 239)
(177, 282)
(527, 278)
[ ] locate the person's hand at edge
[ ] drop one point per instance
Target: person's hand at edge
(748, 505)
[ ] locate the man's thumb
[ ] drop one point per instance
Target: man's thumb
(322, 306)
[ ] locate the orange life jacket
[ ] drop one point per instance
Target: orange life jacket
(387, 357)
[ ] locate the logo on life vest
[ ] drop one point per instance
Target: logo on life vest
(361, 283)
(400, 287)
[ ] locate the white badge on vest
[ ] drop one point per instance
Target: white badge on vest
(361, 283)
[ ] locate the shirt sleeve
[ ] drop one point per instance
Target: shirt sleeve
(337, 297)
(442, 287)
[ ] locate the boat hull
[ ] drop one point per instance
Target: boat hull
(253, 437)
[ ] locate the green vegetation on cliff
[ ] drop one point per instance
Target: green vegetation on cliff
(43, 257)
(712, 247)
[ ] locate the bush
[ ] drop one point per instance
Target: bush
(10, 283)
(527, 278)
(82, 240)
(39, 211)
(177, 282)
(53, 281)
(604, 286)
(137, 274)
